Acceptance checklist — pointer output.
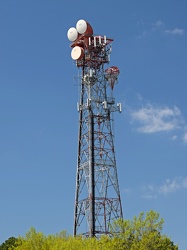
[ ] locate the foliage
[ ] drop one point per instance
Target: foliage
(141, 233)
(8, 244)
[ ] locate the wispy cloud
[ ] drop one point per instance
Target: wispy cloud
(159, 26)
(171, 186)
(148, 192)
(174, 137)
(152, 191)
(149, 118)
(127, 190)
(175, 31)
(168, 187)
(159, 23)
(152, 119)
(185, 137)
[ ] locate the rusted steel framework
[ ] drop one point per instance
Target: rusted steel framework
(97, 195)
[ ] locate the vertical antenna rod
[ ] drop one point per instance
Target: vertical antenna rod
(97, 195)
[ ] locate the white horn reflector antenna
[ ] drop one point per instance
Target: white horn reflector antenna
(84, 27)
(77, 53)
(72, 34)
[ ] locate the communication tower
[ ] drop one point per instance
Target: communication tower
(97, 195)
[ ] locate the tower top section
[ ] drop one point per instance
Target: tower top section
(91, 52)
(88, 49)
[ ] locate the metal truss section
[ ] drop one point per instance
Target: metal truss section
(97, 195)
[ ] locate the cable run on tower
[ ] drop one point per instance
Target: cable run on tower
(97, 194)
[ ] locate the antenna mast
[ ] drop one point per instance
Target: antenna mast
(97, 195)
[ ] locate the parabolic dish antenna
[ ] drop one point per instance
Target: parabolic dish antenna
(84, 28)
(77, 53)
(72, 34)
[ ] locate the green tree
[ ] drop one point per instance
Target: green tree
(142, 233)
(8, 244)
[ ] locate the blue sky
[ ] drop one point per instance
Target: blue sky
(39, 119)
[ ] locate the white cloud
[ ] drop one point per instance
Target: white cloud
(168, 187)
(139, 97)
(154, 119)
(127, 190)
(174, 137)
(185, 137)
(175, 31)
(184, 183)
(157, 25)
(149, 192)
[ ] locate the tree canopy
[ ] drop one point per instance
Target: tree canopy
(12, 241)
(141, 233)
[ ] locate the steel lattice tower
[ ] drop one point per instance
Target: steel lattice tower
(97, 196)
